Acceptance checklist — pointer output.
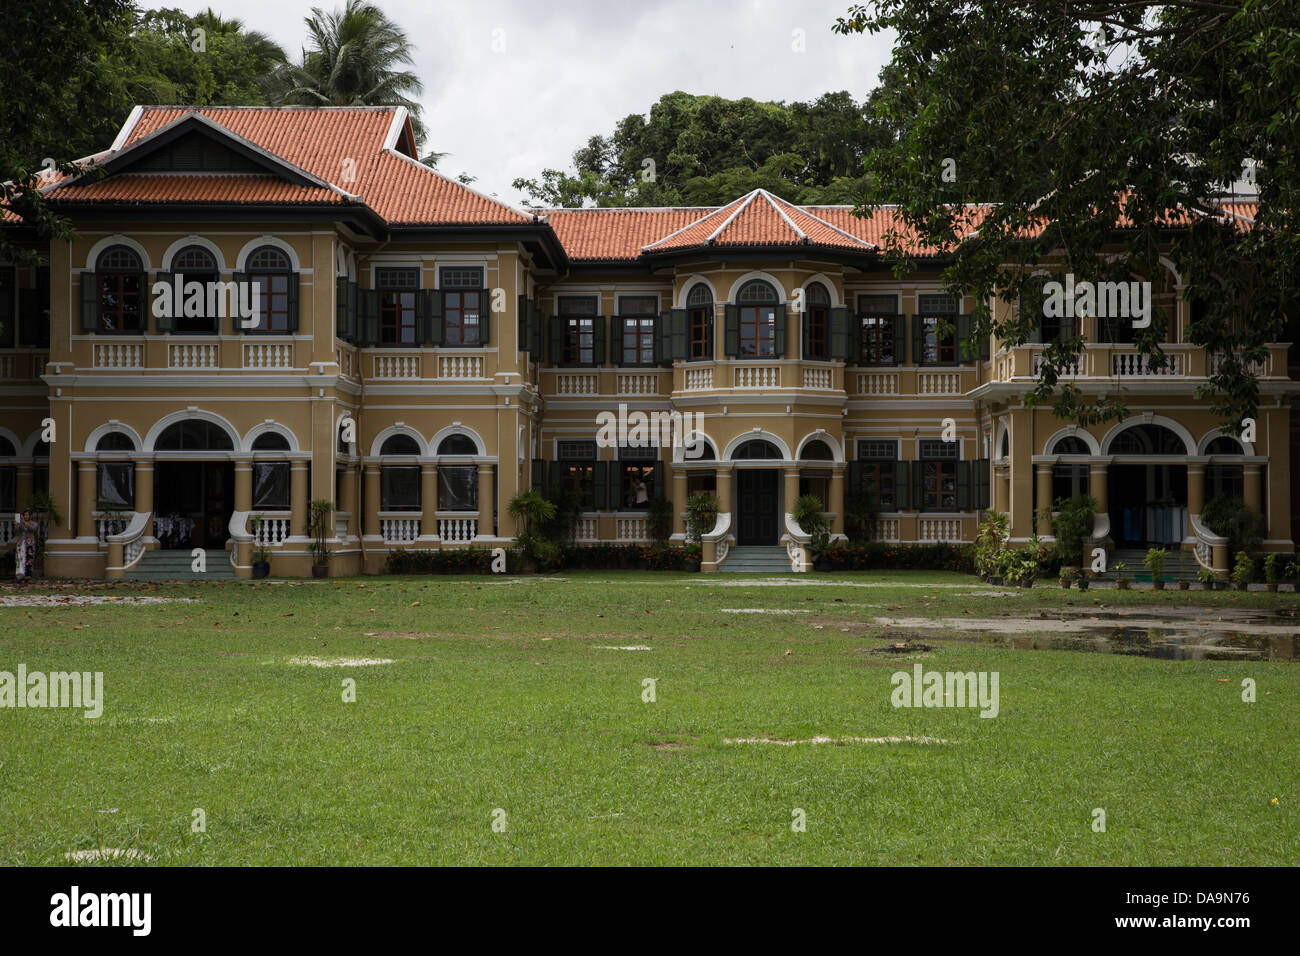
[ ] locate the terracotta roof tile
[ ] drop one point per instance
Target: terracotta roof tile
(759, 219)
(610, 235)
(197, 188)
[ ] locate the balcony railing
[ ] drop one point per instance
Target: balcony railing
(1182, 361)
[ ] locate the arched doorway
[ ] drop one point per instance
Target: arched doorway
(194, 487)
(757, 493)
(1147, 496)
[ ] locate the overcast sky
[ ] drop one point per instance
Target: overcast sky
(568, 70)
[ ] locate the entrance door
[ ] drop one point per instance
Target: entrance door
(757, 491)
(192, 503)
(1148, 505)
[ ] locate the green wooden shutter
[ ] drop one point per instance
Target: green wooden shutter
(778, 347)
(660, 490)
(556, 474)
(966, 349)
(616, 341)
(484, 317)
(853, 485)
(981, 475)
(370, 316)
(840, 335)
(805, 332)
(422, 305)
(539, 474)
(600, 481)
(236, 320)
(963, 486)
(537, 330)
(902, 486)
(898, 329)
(293, 302)
(28, 318)
(163, 323)
(598, 324)
(918, 485)
(731, 340)
(664, 338)
(918, 339)
(89, 301)
(557, 339)
(341, 307)
(521, 322)
(679, 319)
(435, 317)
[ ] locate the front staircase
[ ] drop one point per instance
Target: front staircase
(757, 559)
(1180, 565)
(163, 565)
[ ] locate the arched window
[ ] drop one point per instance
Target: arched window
(1005, 450)
(195, 264)
(276, 287)
(115, 441)
(194, 434)
(756, 448)
(699, 305)
(115, 301)
(1071, 445)
(816, 450)
(816, 322)
(702, 448)
(399, 445)
(756, 324)
(344, 446)
(1224, 445)
(1147, 439)
(7, 449)
(1224, 478)
(457, 445)
(270, 441)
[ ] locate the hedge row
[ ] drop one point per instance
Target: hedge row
(880, 556)
(596, 557)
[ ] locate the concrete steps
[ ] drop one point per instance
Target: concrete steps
(1180, 565)
(175, 566)
(752, 559)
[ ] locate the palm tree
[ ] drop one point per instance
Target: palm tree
(355, 57)
(260, 47)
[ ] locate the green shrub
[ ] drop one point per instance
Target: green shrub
(449, 561)
(861, 516)
(1243, 570)
(1072, 526)
(990, 539)
(659, 520)
(881, 556)
(701, 516)
(1228, 515)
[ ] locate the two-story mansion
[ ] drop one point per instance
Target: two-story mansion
(421, 352)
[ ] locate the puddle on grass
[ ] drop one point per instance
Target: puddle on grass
(1163, 643)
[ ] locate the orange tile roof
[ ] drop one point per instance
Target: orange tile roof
(759, 219)
(609, 234)
(197, 188)
(344, 146)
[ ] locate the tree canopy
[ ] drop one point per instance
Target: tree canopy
(1093, 128)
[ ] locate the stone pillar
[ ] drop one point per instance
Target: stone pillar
(725, 505)
(1002, 488)
(428, 500)
(371, 504)
(1252, 491)
(299, 503)
(22, 488)
(1195, 489)
(243, 502)
(1044, 475)
(86, 492)
(348, 496)
(144, 492)
(791, 493)
(487, 496)
(679, 500)
(837, 499)
(1098, 476)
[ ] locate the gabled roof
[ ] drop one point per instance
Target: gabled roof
(759, 219)
(359, 153)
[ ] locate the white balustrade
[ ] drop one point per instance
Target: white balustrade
(758, 376)
(6, 531)
(119, 355)
(110, 524)
(272, 531)
(817, 378)
(457, 529)
(194, 355)
(460, 366)
(397, 366)
(878, 383)
(638, 383)
(938, 383)
(399, 530)
(1080, 367)
(699, 379)
(887, 529)
(588, 529)
(576, 383)
(1138, 364)
(940, 529)
(268, 355)
(631, 529)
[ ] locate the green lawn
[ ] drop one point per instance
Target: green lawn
(500, 696)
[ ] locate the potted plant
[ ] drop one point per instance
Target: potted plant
(261, 556)
(1121, 582)
(322, 509)
(1207, 578)
(46, 512)
(1071, 526)
(529, 510)
(1271, 561)
(1082, 579)
(659, 521)
(691, 561)
(1155, 562)
(1293, 572)
(1066, 576)
(989, 542)
(807, 514)
(1243, 570)
(1183, 584)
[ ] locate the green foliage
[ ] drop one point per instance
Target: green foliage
(659, 520)
(701, 516)
(355, 56)
(1206, 576)
(1228, 516)
(563, 524)
(1243, 570)
(1155, 562)
(321, 529)
(861, 515)
(447, 561)
(1271, 567)
(807, 514)
(990, 540)
(707, 150)
(879, 556)
(1072, 526)
(530, 508)
(1091, 140)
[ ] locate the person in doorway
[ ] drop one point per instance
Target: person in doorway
(25, 528)
(642, 494)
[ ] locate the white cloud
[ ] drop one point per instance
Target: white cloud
(571, 70)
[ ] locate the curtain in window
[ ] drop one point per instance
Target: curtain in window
(399, 488)
(457, 488)
(116, 485)
(271, 485)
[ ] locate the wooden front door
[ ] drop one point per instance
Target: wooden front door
(757, 492)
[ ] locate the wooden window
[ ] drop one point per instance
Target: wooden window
(578, 317)
(463, 301)
(119, 279)
(757, 301)
(638, 315)
(272, 278)
(880, 323)
(938, 463)
(699, 305)
(817, 326)
(397, 319)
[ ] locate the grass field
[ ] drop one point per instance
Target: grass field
(509, 694)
